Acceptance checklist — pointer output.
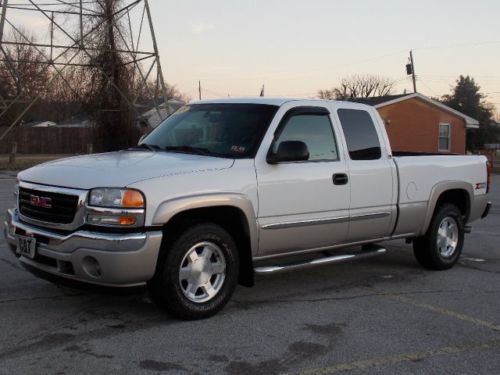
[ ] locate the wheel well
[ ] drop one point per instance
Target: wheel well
(231, 219)
(459, 198)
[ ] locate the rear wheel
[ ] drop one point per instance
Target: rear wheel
(197, 274)
(441, 246)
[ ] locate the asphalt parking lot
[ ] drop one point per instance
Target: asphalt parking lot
(383, 315)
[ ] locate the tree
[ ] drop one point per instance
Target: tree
(114, 89)
(23, 75)
(149, 91)
(104, 80)
(467, 98)
(108, 81)
(359, 86)
(27, 74)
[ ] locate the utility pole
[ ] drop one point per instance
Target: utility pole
(413, 77)
(199, 90)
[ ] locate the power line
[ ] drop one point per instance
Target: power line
(431, 90)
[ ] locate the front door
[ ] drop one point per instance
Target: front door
(303, 205)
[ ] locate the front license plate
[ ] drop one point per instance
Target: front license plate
(26, 246)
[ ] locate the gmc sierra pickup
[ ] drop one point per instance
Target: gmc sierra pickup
(227, 188)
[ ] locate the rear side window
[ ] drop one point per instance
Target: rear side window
(315, 130)
(360, 134)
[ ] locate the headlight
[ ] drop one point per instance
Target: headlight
(114, 207)
(111, 197)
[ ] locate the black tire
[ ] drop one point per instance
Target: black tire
(426, 249)
(167, 289)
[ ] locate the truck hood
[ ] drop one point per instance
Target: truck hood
(119, 169)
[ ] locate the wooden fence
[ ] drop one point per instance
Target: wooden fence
(47, 140)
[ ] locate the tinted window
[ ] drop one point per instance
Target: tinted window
(360, 134)
(227, 130)
(315, 131)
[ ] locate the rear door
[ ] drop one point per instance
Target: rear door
(371, 174)
(300, 206)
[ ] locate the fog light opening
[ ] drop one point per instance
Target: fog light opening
(65, 267)
(92, 267)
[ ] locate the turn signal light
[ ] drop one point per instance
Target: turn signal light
(111, 220)
(132, 198)
(127, 220)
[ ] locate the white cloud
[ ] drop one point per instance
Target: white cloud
(200, 28)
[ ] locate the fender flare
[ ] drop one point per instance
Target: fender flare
(168, 209)
(436, 191)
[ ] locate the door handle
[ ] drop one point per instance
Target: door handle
(340, 179)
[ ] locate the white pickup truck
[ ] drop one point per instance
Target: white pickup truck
(227, 188)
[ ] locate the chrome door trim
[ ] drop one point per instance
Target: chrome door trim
(303, 223)
(333, 220)
(375, 215)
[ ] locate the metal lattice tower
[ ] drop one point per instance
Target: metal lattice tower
(67, 38)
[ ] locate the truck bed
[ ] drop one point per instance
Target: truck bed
(420, 175)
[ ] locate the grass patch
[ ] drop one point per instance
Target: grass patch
(26, 161)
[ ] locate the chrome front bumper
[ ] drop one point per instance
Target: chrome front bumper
(106, 259)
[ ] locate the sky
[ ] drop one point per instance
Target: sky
(298, 47)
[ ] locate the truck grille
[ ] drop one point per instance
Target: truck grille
(49, 207)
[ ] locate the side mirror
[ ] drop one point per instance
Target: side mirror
(289, 151)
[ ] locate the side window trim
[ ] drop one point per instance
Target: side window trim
(297, 111)
(306, 110)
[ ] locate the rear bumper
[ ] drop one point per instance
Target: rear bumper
(486, 210)
(104, 259)
(480, 207)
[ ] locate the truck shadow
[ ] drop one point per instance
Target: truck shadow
(78, 317)
(116, 309)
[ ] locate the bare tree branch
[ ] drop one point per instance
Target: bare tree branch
(359, 86)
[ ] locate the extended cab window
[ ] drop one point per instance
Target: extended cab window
(315, 130)
(360, 134)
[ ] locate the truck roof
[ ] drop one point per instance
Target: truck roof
(249, 100)
(277, 101)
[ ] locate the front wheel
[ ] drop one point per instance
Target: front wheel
(197, 274)
(441, 246)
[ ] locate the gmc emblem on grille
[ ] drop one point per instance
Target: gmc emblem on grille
(43, 202)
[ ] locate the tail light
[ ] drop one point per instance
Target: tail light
(488, 174)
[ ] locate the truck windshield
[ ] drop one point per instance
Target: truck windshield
(224, 130)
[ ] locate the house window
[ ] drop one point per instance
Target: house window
(444, 137)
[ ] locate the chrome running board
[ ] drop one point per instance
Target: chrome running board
(367, 252)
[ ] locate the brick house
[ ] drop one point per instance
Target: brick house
(417, 123)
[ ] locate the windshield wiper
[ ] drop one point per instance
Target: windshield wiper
(146, 146)
(189, 149)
